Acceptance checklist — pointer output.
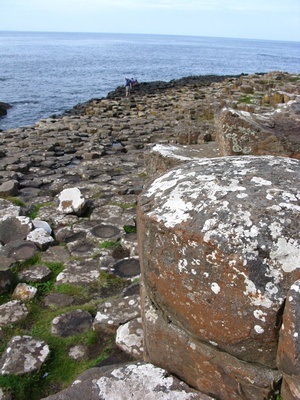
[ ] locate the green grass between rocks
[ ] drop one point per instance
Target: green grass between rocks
(59, 370)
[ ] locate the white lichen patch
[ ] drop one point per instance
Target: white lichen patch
(261, 315)
(24, 220)
(215, 288)
(182, 264)
(258, 329)
(275, 229)
(172, 152)
(296, 287)
(192, 346)
(151, 314)
(130, 340)
(286, 254)
(144, 380)
(260, 181)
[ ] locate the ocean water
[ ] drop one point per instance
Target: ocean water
(42, 74)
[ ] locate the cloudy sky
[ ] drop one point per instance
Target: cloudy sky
(256, 19)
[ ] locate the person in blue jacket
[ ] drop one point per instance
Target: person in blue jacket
(128, 85)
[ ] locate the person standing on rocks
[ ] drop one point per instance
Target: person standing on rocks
(128, 86)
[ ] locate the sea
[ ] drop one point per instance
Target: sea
(47, 73)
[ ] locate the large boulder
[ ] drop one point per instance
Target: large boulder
(138, 381)
(289, 346)
(219, 248)
(277, 133)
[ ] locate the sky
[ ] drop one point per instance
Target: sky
(251, 19)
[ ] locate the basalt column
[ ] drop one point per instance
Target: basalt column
(219, 249)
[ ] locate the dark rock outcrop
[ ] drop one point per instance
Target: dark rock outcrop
(3, 108)
(289, 346)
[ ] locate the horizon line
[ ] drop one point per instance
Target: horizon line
(150, 34)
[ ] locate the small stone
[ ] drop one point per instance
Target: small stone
(24, 292)
(71, 323)
(130, 338)
(78, 352)
(12, 311)
(23, 355)
(40, 238)
(115, 312)
(37, 273)
(58, 300)
(71, 201)
(9, 188)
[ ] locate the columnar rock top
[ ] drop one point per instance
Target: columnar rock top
(219, 249)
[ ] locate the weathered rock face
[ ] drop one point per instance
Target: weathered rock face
(277, 133)
(200, 364)
(218, 249)
(289, 346)
(125, 381)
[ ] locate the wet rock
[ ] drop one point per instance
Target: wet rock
(113, 313)
(71, 323)
(288, 358)
(23, 355)
(12, 311)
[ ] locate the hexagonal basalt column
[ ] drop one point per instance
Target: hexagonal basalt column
(219, 248)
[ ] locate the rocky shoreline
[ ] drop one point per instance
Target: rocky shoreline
(69, 190)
